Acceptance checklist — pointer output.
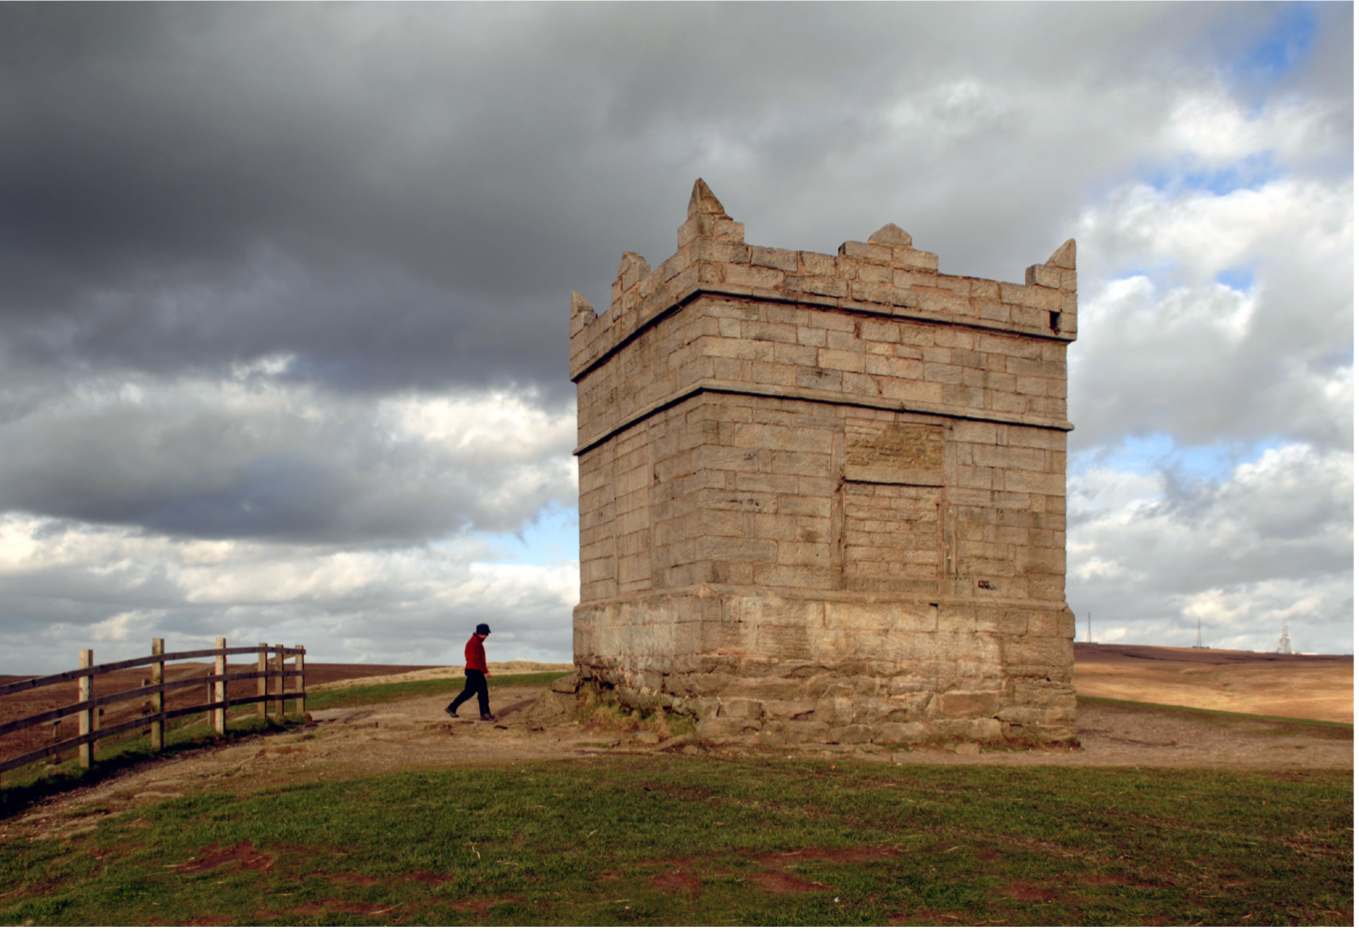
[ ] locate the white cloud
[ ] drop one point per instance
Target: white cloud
(261, 457)
(1200, 233)
(90, 584)
(1164, 348)
(1150, 553)
(1214, 128)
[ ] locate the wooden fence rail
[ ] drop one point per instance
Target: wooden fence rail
(271, 674)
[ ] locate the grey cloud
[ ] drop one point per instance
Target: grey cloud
(402, 197)
(1207, 364)
(481, 164)
(274, 463)
(357, 328)
(114, 591)
(1274, 535)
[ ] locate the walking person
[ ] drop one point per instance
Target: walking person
(476, 676)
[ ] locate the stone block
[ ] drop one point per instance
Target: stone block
(874, 274)
(993, 312)
(968, 705)
(782, 259)
(806, 732)
(891, 235)
(831, 321)
(877, 253)
(790, 709)
(815, 377)
(842, 360)
(817, 285)
(752, 276)
(853, 734)
(1065, 256)
(904, 257)
(901, 733)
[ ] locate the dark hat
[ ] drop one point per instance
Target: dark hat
(483, 629)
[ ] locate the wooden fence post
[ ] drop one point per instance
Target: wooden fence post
(262, 683)
(86, 693)
(300, 682)
(219, 690)
(154, 714)
(282, 688)
(158, 698)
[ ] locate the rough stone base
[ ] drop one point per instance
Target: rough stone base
(830, 669)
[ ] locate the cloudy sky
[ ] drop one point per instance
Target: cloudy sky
(284, 291)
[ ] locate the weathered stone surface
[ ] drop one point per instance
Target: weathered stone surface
(1065, 257)
(891, 234)
(703, 201)
(823, 497)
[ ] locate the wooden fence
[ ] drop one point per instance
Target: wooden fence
(271, 674)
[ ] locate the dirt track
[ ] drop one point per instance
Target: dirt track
(360, 741)
(1297, 686)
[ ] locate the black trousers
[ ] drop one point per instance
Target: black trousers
(476, 683)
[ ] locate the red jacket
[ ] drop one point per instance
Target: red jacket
(476, 654)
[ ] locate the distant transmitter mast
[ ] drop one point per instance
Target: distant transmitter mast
(1285, 643)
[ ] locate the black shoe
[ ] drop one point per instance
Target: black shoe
(451, 711)
(488, 717)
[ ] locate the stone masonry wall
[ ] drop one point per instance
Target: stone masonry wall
(823, 497)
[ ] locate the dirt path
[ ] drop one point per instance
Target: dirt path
(404, 735)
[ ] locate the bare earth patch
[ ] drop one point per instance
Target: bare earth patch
(778, 882)
(842, 856)
(677, 882)
(241, 855)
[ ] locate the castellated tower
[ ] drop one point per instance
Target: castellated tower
(823, 498)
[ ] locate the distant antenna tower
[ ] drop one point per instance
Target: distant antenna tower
(1087, 629)
(1285, 643)
(1199, 643)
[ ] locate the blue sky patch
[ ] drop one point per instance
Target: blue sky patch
(1288, 42)
(1185, 174)
(551, 538)
(1240, 280)
(1148, 454)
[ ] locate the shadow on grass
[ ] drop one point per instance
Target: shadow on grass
(24, 787)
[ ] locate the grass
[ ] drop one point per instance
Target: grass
(692, 840)
(681, 840)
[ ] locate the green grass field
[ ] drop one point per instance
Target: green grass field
(692, 840)
(679, 840)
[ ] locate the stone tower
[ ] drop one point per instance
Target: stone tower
(823, 498)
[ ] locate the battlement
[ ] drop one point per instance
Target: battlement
(886, 276)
